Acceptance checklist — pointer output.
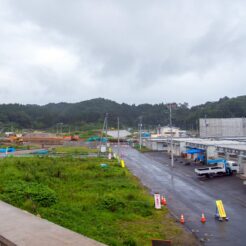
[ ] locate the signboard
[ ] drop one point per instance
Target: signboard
(221, 209)
(103, 149)
(157, 198)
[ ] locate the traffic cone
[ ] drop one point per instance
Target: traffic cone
(163, 201)
(203, 219)
(182, 220)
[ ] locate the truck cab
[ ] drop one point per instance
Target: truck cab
(233, 166)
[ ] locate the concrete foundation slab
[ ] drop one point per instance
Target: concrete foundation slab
(23, 228)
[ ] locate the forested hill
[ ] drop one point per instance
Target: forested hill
(93, 112)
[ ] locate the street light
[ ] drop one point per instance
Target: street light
(171, 128)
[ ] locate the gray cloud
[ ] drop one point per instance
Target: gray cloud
(128, 51)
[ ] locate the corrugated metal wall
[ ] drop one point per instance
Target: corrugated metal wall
(222, 127)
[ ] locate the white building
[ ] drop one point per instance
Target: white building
(122, 133)
(166, 132)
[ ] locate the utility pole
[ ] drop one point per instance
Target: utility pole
(171, 128)
(61, 126)
(106, 124)
(206, 125)
(101, 138)
(118, 124)
(140, 132)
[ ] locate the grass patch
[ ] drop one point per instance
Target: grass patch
(81, 150)
(89, 133)
(19, 147)
(143, 148)
(107, 204)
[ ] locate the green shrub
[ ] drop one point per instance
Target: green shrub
(42, 194)
(19, 191)
(130, 197)
(111, 203)
(142, 208)
(29, 205)
(28, 177)
(130, 242)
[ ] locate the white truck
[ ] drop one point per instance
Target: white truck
(218, 167)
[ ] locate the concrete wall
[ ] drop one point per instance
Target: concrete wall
(222, 127)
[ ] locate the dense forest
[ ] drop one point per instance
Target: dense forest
(92, 112)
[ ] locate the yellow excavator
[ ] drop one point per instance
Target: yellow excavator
(15, 138)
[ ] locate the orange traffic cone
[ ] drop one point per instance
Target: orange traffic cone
(182, 220)
(203, 219)
(163, 201)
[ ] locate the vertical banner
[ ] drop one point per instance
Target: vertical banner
(122, 163)
(103, 148)
(157, 198)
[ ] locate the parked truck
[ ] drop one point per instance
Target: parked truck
(218, 167)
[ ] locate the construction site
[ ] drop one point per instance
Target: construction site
(200, 180)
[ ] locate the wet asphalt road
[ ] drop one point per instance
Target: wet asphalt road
(190, 195)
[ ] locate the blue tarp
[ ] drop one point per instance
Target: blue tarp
(41, 152)
(200, 157)
(11, 149)
(194, 151)
(215, 161)
(145, 134)
(104, 140)
(96, 138)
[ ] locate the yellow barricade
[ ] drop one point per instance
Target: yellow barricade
(122, 163)
(221, 209)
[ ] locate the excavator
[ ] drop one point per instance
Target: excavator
(15, 138)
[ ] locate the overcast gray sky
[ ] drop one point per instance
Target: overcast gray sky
(129, 51)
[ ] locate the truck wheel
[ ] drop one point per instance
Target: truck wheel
(228, 172)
